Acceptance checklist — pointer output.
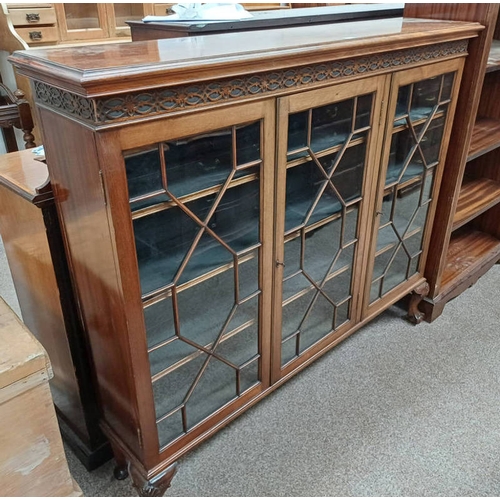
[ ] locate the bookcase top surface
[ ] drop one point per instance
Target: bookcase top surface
(105, 69)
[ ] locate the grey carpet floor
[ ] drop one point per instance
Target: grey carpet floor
(395, 410)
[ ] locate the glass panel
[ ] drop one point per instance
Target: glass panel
(170, 391)
(342, 313)
(363, 113)
(215, 308)
(163, 239)
(216, 387)
(248, 143)
(143, 173)
(241, 347)
(199, 162)
(425, 96)
(323, 193)
(402, 102)
(304, 184)
(81, 16)
(248, 274)
(249, 376)
(431, 141)
(331, 125)
(348, 176)
(172, 354)
(297, 131)
(294, 312)
(413, 243)
(405, 161)
(317, 324)
(170, 428)
(127, 12)
(447, 86)
(414, 155)
(159, 319)
(397, 272)
(288, 350)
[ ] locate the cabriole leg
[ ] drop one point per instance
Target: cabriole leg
(156, 485)
(415, 316)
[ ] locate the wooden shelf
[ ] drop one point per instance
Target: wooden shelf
(493, 63)
(476, 196)
(468, 252)
(485, 137)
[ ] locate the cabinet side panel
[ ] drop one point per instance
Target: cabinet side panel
(74, 172)
(25, 240)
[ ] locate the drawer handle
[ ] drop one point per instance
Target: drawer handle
(32, 18)
(35, 35)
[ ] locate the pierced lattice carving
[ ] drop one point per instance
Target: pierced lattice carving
(167, 100)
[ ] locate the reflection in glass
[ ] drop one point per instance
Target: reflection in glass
(414, 154)
(198, 255)
(80, 16)
(324, 184)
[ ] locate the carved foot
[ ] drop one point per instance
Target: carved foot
(416, 316)
(120, 472)
(154, 486)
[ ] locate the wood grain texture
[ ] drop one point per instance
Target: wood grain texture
(24, 235)
(476, 196)
(468, 103)
(24, 355)
(74, 171)
(20, 172)
(92, 71)
(32, 460)
(485, 137)
(489, 106)
(468, 252)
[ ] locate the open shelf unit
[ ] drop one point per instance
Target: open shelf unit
(465, 242)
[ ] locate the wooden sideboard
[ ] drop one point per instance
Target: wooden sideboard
(234, 209)
(31, 234)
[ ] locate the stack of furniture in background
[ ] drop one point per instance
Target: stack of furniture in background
(31, 234)
(32, 460)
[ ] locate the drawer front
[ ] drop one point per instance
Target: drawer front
(32, 17)
(36, 34)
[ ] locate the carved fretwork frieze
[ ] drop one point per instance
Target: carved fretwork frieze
(107, 110)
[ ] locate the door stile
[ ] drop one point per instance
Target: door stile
(367, 212)
(283, 110)
(266, 227)
(370, 135)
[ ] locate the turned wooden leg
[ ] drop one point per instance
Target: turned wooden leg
(29, 139)
(120, 472)
(417, 295)
(156, 485)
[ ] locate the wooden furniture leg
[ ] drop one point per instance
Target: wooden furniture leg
(415, 316)
(155, 486)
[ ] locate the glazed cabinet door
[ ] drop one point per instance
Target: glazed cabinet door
(82, 21)
(200, 199)
(420, 115)
(328, 147)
